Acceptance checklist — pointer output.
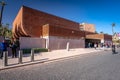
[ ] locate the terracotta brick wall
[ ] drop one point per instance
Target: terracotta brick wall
(88, 27)
(17, 24)
(18, 30)
(45, 30)
(51, 30)
(95, 36)
(33, 20)
(66, 33)
(108, 37)
(104, 37)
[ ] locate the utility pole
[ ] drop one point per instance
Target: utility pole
(2, 3)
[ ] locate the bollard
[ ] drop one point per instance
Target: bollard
(32, 55)
(20, 57)
(5, 58)
(67, 46)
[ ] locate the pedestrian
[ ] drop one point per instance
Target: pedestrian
(113, 49)
(95, 45)
(17, 43)
(14, 47)
(3, 47)
(98, 45)
(89, 45)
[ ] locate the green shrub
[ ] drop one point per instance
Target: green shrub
(26, 50)
(36, 50)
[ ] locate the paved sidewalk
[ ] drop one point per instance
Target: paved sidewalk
(48, 56)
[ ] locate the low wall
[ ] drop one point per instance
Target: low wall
(60, 43)
(52, 43)
(28, 42)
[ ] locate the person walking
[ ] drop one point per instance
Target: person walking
(95, 45)
(3, 47)
(14, 47)
(89, 45)
(113, 49)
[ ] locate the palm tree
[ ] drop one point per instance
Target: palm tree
(96, 32)
(101, 32)
(1, 29)
(6, 31)
(2, 3)
(113, 25)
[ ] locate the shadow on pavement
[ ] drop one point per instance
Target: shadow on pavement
(40, 60)
(115, 53)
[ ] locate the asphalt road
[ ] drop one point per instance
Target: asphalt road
(92, 66)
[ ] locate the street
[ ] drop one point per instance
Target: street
(92, 66)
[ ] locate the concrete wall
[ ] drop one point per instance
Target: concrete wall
(28, 42)
(52, 43)
(60, 43)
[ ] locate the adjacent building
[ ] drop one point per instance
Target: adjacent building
(87, 27)
(92, 37)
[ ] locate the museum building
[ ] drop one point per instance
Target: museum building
(56, 30)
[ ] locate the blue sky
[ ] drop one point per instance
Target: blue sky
(101, 13)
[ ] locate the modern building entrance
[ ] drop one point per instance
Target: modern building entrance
(91, 42)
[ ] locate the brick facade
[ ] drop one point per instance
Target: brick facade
(30, 21)
(88, 27)
(33, 23)
(51, 30)
(99, 36)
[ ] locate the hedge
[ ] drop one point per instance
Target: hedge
(36, 50)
